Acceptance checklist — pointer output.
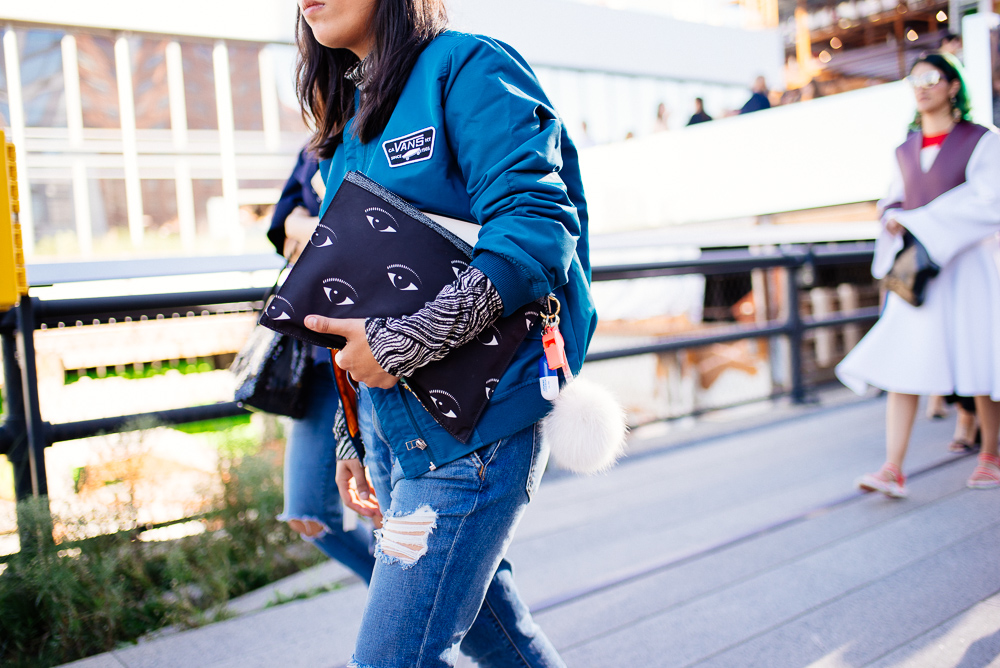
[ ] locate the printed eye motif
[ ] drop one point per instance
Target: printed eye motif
(381, 220)
(445, 403)
(339, 292)
(403, 278)
(490, 336)
(323, 236)
(529, 316)
(491, 387)
(280, 309)
(458, 267)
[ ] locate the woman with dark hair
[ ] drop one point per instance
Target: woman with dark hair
(458, 126)
(946, 194)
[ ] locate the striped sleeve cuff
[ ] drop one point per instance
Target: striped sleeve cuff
(460, 312)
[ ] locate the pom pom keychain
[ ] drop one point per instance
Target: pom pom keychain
(586, 429)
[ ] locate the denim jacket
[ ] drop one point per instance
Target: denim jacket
(473, 137)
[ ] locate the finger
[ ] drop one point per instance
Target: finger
(371, 486)
(347, 488)
(318, 323)
(366, 508)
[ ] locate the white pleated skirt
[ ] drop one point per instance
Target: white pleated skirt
(950, 344)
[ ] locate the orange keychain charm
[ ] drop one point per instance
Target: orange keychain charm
(553, 343)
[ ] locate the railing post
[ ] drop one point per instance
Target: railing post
(14, 428)
(35, 428)
(795, 332)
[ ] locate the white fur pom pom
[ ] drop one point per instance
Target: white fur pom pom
(586, 428)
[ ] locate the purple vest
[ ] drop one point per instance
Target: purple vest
(948, 170)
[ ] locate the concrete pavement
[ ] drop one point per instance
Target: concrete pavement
(727, 546)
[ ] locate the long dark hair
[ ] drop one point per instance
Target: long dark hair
(951, 68)
(400, 30)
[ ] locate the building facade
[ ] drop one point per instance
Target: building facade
(146, 133)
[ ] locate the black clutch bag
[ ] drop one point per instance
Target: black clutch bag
(272, 373)
(911, 271)
(375, 255)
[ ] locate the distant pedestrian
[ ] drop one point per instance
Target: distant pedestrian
(699, 115)
(758, 98)
(946, 196)
(952, 44)
(312, 502)
(662, 122)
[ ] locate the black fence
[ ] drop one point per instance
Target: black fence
(24, 436)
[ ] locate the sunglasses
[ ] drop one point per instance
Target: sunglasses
(928, 79)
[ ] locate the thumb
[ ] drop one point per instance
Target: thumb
(323, 325)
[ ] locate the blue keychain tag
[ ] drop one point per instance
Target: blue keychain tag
(548, 379)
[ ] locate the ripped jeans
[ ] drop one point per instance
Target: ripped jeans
(441, 580)
(310, 484)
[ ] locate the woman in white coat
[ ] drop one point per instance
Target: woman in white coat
(946, 193)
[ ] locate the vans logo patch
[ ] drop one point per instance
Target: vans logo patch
(414, 147)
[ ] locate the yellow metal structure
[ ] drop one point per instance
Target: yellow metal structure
(13, 278)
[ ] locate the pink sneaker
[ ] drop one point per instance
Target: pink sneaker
(889, 480)
(987, 473)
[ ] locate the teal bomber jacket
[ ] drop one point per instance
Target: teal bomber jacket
(474, 137)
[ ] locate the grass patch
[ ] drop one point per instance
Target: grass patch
(281, 599)
(60, 602)
(213, 426)
(148, 371)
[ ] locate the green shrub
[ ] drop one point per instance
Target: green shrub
(62, 602)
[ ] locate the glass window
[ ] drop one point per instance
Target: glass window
(159, 205)
(98, 82)
(55, 217)
(244, 72)
(204, 191)
(108, 208)
(199, 86)
(42, 78)
(4, 100)
(149, 83)
(290, 115)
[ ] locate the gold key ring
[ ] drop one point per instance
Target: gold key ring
(553, 298)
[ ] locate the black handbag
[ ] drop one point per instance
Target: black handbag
(911, 271)
(272, 372)
(375, 255)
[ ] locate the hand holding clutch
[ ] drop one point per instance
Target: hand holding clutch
(356, 356)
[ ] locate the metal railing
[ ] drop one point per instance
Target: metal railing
(24, 436)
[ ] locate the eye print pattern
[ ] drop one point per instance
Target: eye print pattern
(491, 386)
(490, 336)
(446, 403)
(403, 278)
(280, 309)
(323, 236)
(458, 267)
(381, 220)
(339, 292)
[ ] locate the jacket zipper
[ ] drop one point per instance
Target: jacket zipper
(413, 422)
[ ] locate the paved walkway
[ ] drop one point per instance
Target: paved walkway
(725, 550)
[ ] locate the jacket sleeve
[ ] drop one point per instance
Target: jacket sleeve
(887, 245)
(963, 216)
(297, 192)
(506, 139)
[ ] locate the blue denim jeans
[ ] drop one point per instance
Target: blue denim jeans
(441, 581)
(310, 485)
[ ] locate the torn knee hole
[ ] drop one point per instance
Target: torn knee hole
(404, 538)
